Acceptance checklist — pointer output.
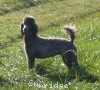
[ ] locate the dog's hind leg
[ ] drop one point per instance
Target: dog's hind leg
(70, 59)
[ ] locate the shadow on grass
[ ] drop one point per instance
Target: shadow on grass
(2, 81)
(83, 75)
(80, 74)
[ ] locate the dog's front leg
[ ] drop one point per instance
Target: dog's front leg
(31, 62)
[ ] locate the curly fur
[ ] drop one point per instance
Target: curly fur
(38, 47)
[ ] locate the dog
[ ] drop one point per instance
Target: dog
(38, 47)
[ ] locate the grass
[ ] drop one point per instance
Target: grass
(49, 73)
(7, 6)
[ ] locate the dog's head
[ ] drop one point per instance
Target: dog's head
(29, 26)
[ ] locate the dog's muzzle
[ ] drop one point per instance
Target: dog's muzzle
(24, 28)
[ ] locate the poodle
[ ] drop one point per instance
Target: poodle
(39, 47)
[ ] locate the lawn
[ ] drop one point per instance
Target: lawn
(50, 73)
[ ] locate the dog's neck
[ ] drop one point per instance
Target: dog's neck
(29, 36)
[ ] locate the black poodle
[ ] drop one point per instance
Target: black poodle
(38, 47)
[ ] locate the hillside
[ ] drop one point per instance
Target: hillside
(50, 16)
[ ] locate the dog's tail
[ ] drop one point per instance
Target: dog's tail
(71, 31)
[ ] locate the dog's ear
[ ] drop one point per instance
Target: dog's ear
(22, 25)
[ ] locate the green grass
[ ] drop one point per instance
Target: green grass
(51, 17)
(7, 6)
